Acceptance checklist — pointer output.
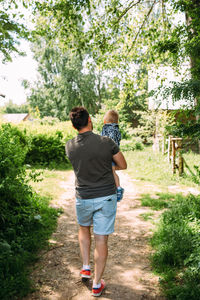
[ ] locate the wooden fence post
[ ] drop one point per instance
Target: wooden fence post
(174, 145)
(169, 148)
(173, 157)
(180, 158)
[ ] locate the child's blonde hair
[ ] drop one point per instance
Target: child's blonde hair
(111, 116)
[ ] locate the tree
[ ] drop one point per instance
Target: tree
(12, 28)
(118, 34)
(63, 83)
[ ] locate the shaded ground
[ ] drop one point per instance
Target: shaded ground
(128, 274)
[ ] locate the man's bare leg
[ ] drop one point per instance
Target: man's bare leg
(84, 238)
(100, 256)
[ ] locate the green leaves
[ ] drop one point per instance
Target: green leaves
(66, 80)
(12, 28)
(26, 221)
(46, 149)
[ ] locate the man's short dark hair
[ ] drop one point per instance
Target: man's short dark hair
(79, 117)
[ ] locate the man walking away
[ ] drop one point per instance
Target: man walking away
(91, 156)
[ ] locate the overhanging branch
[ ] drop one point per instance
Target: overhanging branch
(131, 5)
(142, 25)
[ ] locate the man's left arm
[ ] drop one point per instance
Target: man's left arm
(120, 161)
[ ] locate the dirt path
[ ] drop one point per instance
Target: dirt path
(128, 274)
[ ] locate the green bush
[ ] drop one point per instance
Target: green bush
(45, 149)
(177, 245)
(47, 138)
(26, 221)
(131, 145)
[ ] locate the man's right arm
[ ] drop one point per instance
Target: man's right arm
(120, 161)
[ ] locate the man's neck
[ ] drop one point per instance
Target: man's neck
(84, 130)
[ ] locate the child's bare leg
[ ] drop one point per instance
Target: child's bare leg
(116, 177)
(120, 190)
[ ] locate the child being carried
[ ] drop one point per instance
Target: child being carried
(111, 129)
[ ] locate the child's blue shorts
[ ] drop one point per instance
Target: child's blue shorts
(100, 212)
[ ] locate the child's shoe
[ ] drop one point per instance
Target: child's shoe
(96, 292)
(120, 193)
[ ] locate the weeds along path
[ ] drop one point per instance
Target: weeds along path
(128, 274)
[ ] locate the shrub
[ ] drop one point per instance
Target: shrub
(26, 221)
(131, 145)
(46, 149)
(47, 138)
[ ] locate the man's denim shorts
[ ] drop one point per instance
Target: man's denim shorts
(100, 212)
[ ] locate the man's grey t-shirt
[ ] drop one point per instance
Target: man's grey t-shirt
(91, 157)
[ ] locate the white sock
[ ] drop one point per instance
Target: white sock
(96, 286)
(86, 267)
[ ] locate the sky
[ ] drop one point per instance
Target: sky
(12, 74)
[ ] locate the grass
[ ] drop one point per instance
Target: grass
(151, 166)
(192, 166)
(158, 201)
(49, 186)
(147, 216)
(176, 240)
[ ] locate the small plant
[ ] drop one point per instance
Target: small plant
(156, 203)
(147, 216)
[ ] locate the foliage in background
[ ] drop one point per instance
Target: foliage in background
(108, 36)
(134, 96)
(64, 82)
(48, 126)
(146, 126)
(177, 247)
(26, 221)
(11, 108)
(186, 126)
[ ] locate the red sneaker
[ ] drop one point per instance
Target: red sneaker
(85, 273)
(96, 292)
